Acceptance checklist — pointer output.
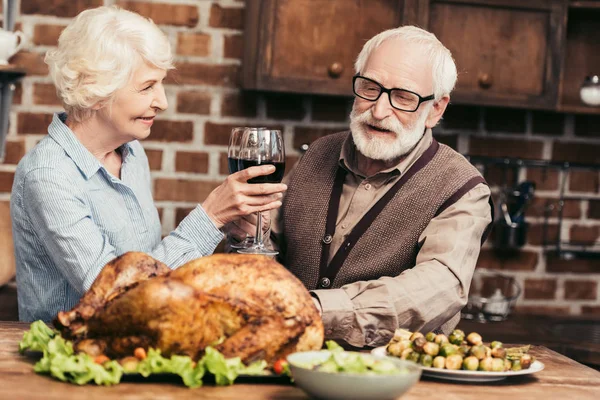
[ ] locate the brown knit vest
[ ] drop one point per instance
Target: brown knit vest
(390, 245)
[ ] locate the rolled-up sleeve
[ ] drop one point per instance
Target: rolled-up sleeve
(423, 297)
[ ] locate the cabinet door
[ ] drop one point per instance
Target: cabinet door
(309, 46)
(507, 52)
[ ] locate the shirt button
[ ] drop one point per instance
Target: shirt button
(327, 239)
(367, 186)
(344, 226)
(324, 283)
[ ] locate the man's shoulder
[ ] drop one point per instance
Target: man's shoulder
(459, 161)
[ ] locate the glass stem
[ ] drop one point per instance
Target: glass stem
(258, 239)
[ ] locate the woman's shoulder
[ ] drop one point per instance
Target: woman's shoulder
(46, 155)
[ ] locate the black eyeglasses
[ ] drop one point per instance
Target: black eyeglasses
(400, 99)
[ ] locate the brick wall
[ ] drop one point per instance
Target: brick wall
(187, 148)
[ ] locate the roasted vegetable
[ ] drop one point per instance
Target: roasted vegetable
(454, 361)
(471, 363)
(433, 349)
(456, 337)
(474, 339)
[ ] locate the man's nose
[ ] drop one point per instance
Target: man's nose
(382, 107)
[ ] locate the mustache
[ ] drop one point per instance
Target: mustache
(388, 123)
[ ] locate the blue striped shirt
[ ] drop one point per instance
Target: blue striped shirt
(71, 217)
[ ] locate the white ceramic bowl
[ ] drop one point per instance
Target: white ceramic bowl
(345, 386)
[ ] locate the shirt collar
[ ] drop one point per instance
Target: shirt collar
(81, 156)
(348, 160)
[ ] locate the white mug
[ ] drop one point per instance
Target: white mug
(10, 43)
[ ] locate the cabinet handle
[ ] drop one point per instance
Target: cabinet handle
(485, 80)
(335, 70)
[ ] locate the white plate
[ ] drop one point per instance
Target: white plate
(468, 376)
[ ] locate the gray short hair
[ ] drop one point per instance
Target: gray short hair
(98, 53)
(442, 63)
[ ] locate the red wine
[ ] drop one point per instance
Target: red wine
(275, 177)
(233, 165)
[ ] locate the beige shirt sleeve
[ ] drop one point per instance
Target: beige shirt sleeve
(423, 297)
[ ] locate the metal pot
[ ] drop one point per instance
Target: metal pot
(510, 231)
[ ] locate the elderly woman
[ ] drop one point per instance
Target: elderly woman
(82, 196)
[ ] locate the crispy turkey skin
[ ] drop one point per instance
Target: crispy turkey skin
(257, 306)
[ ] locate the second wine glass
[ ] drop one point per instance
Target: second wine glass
(262, 147)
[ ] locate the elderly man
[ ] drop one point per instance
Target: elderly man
(383, 224)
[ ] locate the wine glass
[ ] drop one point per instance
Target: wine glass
(262, 147)
(233, 152)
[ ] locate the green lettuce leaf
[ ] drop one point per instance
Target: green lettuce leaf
(37, 337)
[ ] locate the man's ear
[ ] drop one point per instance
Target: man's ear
(436, 112)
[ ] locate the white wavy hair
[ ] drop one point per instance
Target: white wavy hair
(98, 53)
(442, 64)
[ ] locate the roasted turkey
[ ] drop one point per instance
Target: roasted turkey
(249, 304)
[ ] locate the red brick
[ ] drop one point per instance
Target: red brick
(33, 123)
(196, 102)
(459, 117)
(544, 178)
(243, 104)
(226, 17)
(45, 93)
(18, 93)
(13, 151)
(181, 213)
(584, 181)
(33, 63)
(154, 159)
(223, 164)
(160, 213)
(540, 289)
(554, 263)
(6, 181)
(505, 120)
(547, 122)
(587, 125)
(188, 161)
(165, 14)
(542, 310)
(493, 147)
(285, 106)
(193, 44)
(233, 46)
(204, 74)
(59, 8)
(581, 290)
(585, 153)
(330, 108)
(508, 261)
(585, 235)
(448, 140)
(172, 131)
(594, 209)
(182, 189)
(498, 175)
(47, 35)
(539, 235)
(308, 135)
(542, 206)
(590, 310)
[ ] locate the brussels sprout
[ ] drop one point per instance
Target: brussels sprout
(474, 339)
(495, 344)
(129, 364)
(488, 351)
(526, 361)
(456, 337)
(516, 365)
(401, 334)
(426, 360)
(415, 336)
(464, 349)
(414, 357)
(448, 350)
(507, 364)
(486, 364)
(454, 361)
(499, 352)
(439, 362)
(470, 363)
(441, 339)
(405, 353)
(433, 349)
(394, 349)
(478, 352)
(497, 364)
(430, 336)
(418, 344)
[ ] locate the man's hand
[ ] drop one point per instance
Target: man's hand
(237, 198)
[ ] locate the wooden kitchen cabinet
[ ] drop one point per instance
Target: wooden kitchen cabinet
(508, 52)
(309, 46)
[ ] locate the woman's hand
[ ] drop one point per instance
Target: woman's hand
(236, 198)
(239, 229)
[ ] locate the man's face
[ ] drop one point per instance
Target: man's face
(132, 112)
(380, 131)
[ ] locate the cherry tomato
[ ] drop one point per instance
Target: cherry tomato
(280, 366)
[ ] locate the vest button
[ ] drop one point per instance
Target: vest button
(324, 283)
(327, 239)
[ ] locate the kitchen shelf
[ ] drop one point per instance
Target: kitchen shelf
(585, 4)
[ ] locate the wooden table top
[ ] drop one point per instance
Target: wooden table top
(562, 379)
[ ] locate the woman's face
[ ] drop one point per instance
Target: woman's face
(132, 112)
